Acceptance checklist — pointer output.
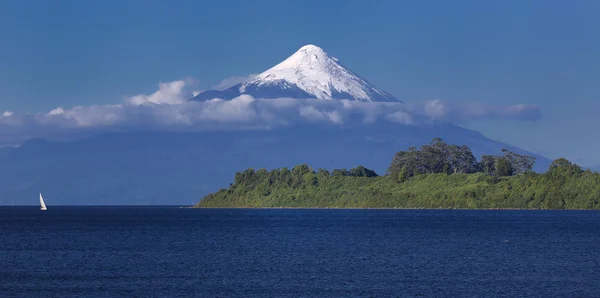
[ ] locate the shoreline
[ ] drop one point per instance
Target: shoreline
(394, 208)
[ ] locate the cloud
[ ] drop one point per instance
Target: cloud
(313, 114)
(168, 93)
(57, 111)
(470, 111)
(169, 109)
(232, 81)
(400, 117)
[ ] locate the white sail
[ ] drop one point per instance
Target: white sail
(42, 204)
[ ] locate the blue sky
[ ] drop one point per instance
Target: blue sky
(545, 53)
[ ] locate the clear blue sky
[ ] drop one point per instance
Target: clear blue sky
(66, 53)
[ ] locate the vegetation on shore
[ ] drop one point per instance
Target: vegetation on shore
(438, 175)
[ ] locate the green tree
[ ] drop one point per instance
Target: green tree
(323, 173)
(487, 164)
(503, 167)
(339, 173)
(562, 166)
(462, 160)
(361, 171)
(446, 169)
(519, 163)
(402, 176)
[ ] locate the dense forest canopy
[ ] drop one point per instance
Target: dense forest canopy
(437, 175)
(439, 157)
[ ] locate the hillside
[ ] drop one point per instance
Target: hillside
(504, 181)
(175, 168)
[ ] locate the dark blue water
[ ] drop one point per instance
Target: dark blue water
(168, 252)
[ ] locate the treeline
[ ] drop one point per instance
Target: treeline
(439, 157)
(295, 176)
(438, 175)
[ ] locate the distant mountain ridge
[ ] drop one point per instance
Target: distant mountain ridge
(309, 73)
(180, 168)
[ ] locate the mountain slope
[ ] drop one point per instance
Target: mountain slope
(309, 73)
(173, 168)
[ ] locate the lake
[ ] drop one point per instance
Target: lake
(170, 251)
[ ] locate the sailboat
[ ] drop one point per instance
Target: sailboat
(42, 204)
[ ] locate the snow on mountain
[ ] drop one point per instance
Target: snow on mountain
(308, 73)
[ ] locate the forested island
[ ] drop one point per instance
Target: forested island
(437, 175)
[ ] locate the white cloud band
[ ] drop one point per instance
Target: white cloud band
(169, 109)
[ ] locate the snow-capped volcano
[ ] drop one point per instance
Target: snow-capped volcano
(308, 73)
